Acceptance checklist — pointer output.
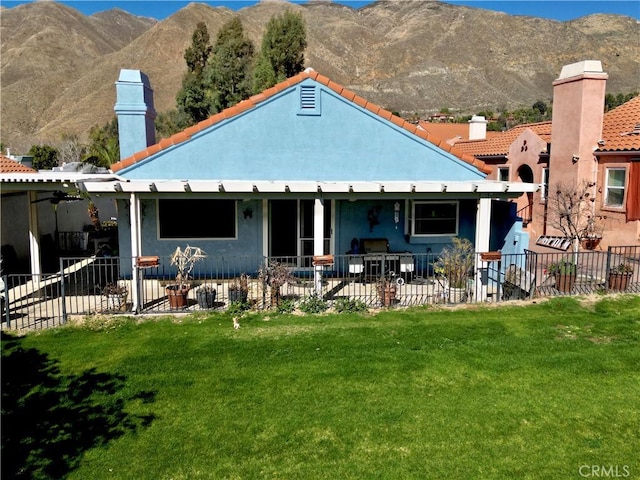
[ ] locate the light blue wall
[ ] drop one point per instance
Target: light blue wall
(352, 222)
(248, 243)
(273, 142)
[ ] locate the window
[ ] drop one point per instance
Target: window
(196, 218)
(503, 174)
(545, 183)
(435, 218)
(615, 181)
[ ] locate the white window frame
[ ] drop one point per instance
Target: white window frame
(425, 202)
(544, 183)
(623, 188)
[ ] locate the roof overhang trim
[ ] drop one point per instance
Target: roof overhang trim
(301, 186)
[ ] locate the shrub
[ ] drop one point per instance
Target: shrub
(236, 308)
(286, 305)
(314, 304)
(348, 305)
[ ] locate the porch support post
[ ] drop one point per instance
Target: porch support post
(136, 244)
(265, 228)
(483, 230)
(34, 246)
(34, 235)
(318, 241)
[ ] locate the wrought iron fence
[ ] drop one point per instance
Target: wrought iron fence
(87, 286)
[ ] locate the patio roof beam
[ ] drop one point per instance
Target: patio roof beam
(513, 189)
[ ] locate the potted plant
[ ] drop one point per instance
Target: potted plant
(206, 296)
(565, 274)
(619, 276)
(184, 261)
(387, 289)
(455, 264)
(275, 275)
(116, 296)
(239, 289)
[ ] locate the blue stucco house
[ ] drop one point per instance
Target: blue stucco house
(301, 169)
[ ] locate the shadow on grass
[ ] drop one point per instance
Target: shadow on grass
(49, 419)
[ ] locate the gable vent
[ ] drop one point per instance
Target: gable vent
(309, 100)
(307, 97)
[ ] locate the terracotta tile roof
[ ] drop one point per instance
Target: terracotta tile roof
(621, 128)
(451, 132)
(8, 165)
(499, 144)
(261, 97)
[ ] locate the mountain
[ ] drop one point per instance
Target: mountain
(58, 66)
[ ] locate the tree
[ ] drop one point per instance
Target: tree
(612, 101)
(104, 149)
(170, 122)
(283, 46)
(45, 157)
(228, 73)
(263, 75)
(572, 211)
(540, 106)
(192, 98)
(197, 55)
(71, 149)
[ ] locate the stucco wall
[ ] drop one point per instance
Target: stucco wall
(272, 142)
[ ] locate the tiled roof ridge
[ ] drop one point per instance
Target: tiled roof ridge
(8, 165)
(256, 99)
(499, 145)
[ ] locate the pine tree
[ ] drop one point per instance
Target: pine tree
(282, 48)
(228, 73)
(192, 99)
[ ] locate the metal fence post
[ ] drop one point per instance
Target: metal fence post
(62, 293)
(5, 299)
(607, 268)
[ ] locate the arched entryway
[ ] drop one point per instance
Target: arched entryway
(525, 202)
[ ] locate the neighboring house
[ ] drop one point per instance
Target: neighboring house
(581, 143)
(452, 133)
(301, 169)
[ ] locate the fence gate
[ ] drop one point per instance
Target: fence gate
(32, 302)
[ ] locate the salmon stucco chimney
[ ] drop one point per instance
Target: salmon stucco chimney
(135, 112)
(477, 128)
(576, 124)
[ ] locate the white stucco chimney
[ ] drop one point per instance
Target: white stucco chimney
(135, 111)
(478, 128)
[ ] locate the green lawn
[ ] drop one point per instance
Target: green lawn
(517, 392)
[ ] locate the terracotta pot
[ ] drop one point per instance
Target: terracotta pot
(565, 283)
(177, 295)
(387, 295)
(590, 243)
(619, 281)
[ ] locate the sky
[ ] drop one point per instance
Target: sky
(553, 9)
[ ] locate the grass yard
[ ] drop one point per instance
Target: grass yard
(542, 391)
